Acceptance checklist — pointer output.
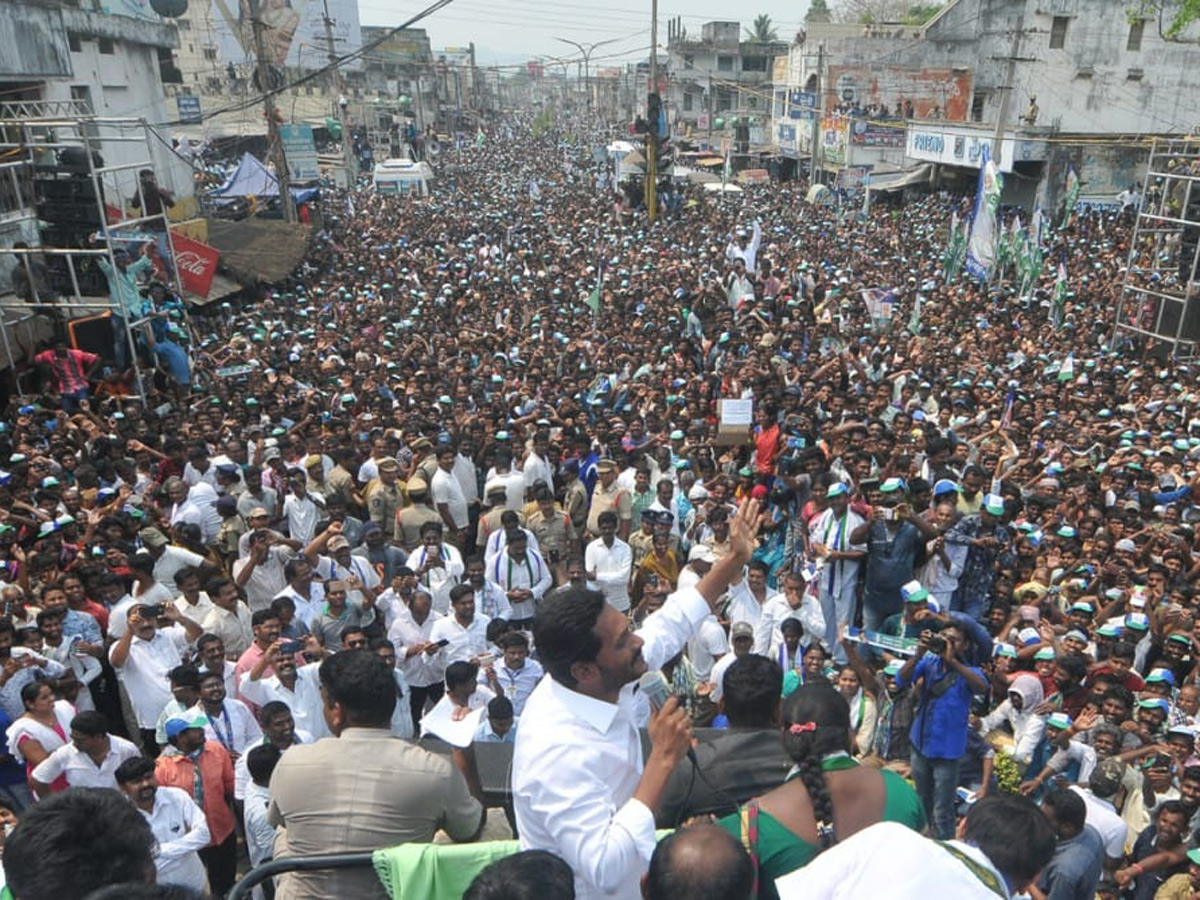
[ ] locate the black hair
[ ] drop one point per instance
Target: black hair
(72, 843)
(363, 684)
(1122, 650)
(30, 691)
(271, 709)
(607, 517)
(209, 638)
(500, 708)
(133, 769)
(185, 675)
(1014, 836)
(259, 616)
(460, 672)
(90, 722)
(1069, 808)
(431, 528)
(528, 875)
(1073, 665)
(459, 591)
(145, 892)
(215, 584)
(816, 722)
(751, 687)
(718, 867)
(564, 631)
(261, 762)
(513, 639)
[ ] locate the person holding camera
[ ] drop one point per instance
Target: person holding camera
(939, 728)
(893, 535)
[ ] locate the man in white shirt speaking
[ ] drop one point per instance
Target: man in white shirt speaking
(580, 789)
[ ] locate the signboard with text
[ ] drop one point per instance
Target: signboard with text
(301, 150)
(195, 262)
(866, 133)
(189, 109)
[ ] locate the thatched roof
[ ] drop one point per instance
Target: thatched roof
(257, 250)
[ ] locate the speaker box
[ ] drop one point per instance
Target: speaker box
(93, 334)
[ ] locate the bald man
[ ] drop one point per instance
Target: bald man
(696, 863)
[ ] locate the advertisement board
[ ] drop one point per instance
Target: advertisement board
(962, 146)
(866, 133)
(301, 152)
(195, 262)
(834, 137)
(294, 31)
(188, 106)
(943, 92)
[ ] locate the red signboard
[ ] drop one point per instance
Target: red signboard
(196, 264)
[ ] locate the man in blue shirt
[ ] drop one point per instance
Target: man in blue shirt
(126, 294)
(893, 535)
(939, 728)
(1078, 860)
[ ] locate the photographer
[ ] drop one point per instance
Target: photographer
(939, 728)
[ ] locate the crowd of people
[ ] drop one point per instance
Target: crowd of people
(465, 479)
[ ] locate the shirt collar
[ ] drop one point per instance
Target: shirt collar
(597, 713)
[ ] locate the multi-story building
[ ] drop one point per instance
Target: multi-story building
(74, 60)
(719, 76)
(1045, 84)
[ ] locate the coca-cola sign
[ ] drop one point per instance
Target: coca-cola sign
(195, 262)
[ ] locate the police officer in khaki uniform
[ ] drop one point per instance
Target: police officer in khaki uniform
(556, 536)
(608, 495)
(575, 498)
(385, 496)
(410, 519)
(489, 522)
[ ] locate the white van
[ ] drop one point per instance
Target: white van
(403, 176)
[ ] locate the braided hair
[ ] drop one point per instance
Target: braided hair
(816, 722)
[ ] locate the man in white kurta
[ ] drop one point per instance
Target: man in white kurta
(829, 538)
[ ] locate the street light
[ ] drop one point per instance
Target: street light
(587, 50)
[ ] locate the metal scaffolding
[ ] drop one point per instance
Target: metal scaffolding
(1160, 298)
(56, 180)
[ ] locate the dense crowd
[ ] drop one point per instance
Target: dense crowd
(479, 438)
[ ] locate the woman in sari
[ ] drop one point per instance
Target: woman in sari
(44, 727)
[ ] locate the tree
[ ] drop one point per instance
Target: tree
(763, 32)
(1173, 16)
(869, 12)
(818, 11)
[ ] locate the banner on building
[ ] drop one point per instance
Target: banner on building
(294, 31)
(866, 133)
(834, 137)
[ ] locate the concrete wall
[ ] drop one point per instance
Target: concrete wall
(34, 42)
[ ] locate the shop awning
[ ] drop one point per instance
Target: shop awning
(895, 181)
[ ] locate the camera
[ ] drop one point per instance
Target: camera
(151, 610)
(936, 644)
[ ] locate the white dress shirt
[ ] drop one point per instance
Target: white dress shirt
(531, 574)
(577, 763)
(744, 607)
(889, 860)
(463, 642)
(612, 567)
(446, 489)
(441, 580)
(241, 771)
(498, 540)
(80, 769)
(260, 833)
(304, 700)
(180, 829)
(420, 669)
(706, 646)
(234, 728)
(516, 684)
(144, 675)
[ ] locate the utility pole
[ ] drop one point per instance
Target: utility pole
(653, 105)
(818, 115)
(335, 82)
(586, 51)
(1006, 92)
(282, 176)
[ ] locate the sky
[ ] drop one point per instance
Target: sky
(509, 32)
